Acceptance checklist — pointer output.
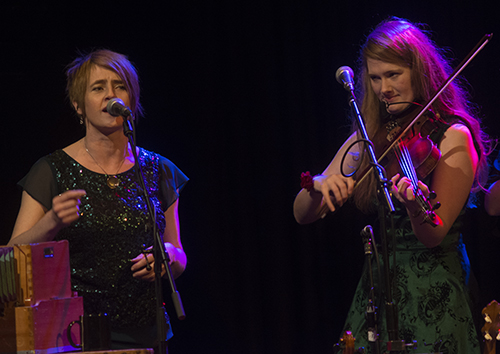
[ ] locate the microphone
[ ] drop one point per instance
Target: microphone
(344, 76)
(367, 232)
(116, 108)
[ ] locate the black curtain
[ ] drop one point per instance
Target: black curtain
(242, 97)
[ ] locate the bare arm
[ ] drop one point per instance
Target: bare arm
(492, 199)
(35, 224)
(451, 180)
(173, 246)
(330, 187)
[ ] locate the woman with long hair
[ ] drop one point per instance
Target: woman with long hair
(400, 69)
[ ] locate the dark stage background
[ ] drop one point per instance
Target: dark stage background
(243, 98)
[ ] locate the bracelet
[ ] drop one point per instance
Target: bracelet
(306, 181)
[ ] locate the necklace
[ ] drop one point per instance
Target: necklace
(112, 181)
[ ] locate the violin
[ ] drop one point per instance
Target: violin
(416, 154)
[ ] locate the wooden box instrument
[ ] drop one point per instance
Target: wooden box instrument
(43, 270)
(40, 328)
(36, 300)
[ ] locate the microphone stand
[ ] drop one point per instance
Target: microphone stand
(386, 207)
(160, 255)
(371, 308)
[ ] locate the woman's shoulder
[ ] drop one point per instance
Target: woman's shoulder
(167, 167)
(148, 154)
(457, 133)
(456, 141)
(47, 160)
(73, 149)
(172, 178)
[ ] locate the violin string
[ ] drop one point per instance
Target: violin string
(406, 164)
(410, 168)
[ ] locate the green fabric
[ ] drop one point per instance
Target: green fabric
(430, 289)
(430, 293)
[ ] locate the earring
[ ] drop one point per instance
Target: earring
(81, 120)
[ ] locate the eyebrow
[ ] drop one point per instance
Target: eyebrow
(391, 71)
(103, 81)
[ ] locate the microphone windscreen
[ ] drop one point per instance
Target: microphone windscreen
(344, 74)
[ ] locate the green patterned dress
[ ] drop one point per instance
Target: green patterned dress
(430, 289)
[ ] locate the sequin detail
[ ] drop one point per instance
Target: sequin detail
(112, 228)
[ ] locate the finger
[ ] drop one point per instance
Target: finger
(72, 207)
(138, 258)
(141, 269)
(403, 189)
(350, 186)
(339, 191)
(403, 184)
(395, 178)
(423, 187)
(343, 188)
(67, 213)
(394, 181)
(72, 194)
(68, 216)
(147, 275)
(400, 188)
(62, 206)
(410, 195)
(63, 200)
(327, 197)
(143, 274)
(329, 202)
(140, 261)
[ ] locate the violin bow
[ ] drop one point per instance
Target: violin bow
(323, 209)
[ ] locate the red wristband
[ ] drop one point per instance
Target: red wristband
(306, 181)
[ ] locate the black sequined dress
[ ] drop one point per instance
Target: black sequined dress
(112, 229)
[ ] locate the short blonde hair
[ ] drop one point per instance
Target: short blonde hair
(78, 73)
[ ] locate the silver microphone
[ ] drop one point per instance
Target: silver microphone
(116, 108)
(344, 76)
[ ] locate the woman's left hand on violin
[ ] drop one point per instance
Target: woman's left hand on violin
(402, 189)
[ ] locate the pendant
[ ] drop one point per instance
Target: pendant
(393, 129)
(113, 182)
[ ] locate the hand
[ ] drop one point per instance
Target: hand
(66, 206)
(139, 267)
(402, 189)
(335, 189)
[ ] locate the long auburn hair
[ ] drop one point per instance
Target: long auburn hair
(401, 42)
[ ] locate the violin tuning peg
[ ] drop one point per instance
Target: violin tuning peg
(487, 318)
(432, 195)
(436, 206)
(498, 336)
(487, 336)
